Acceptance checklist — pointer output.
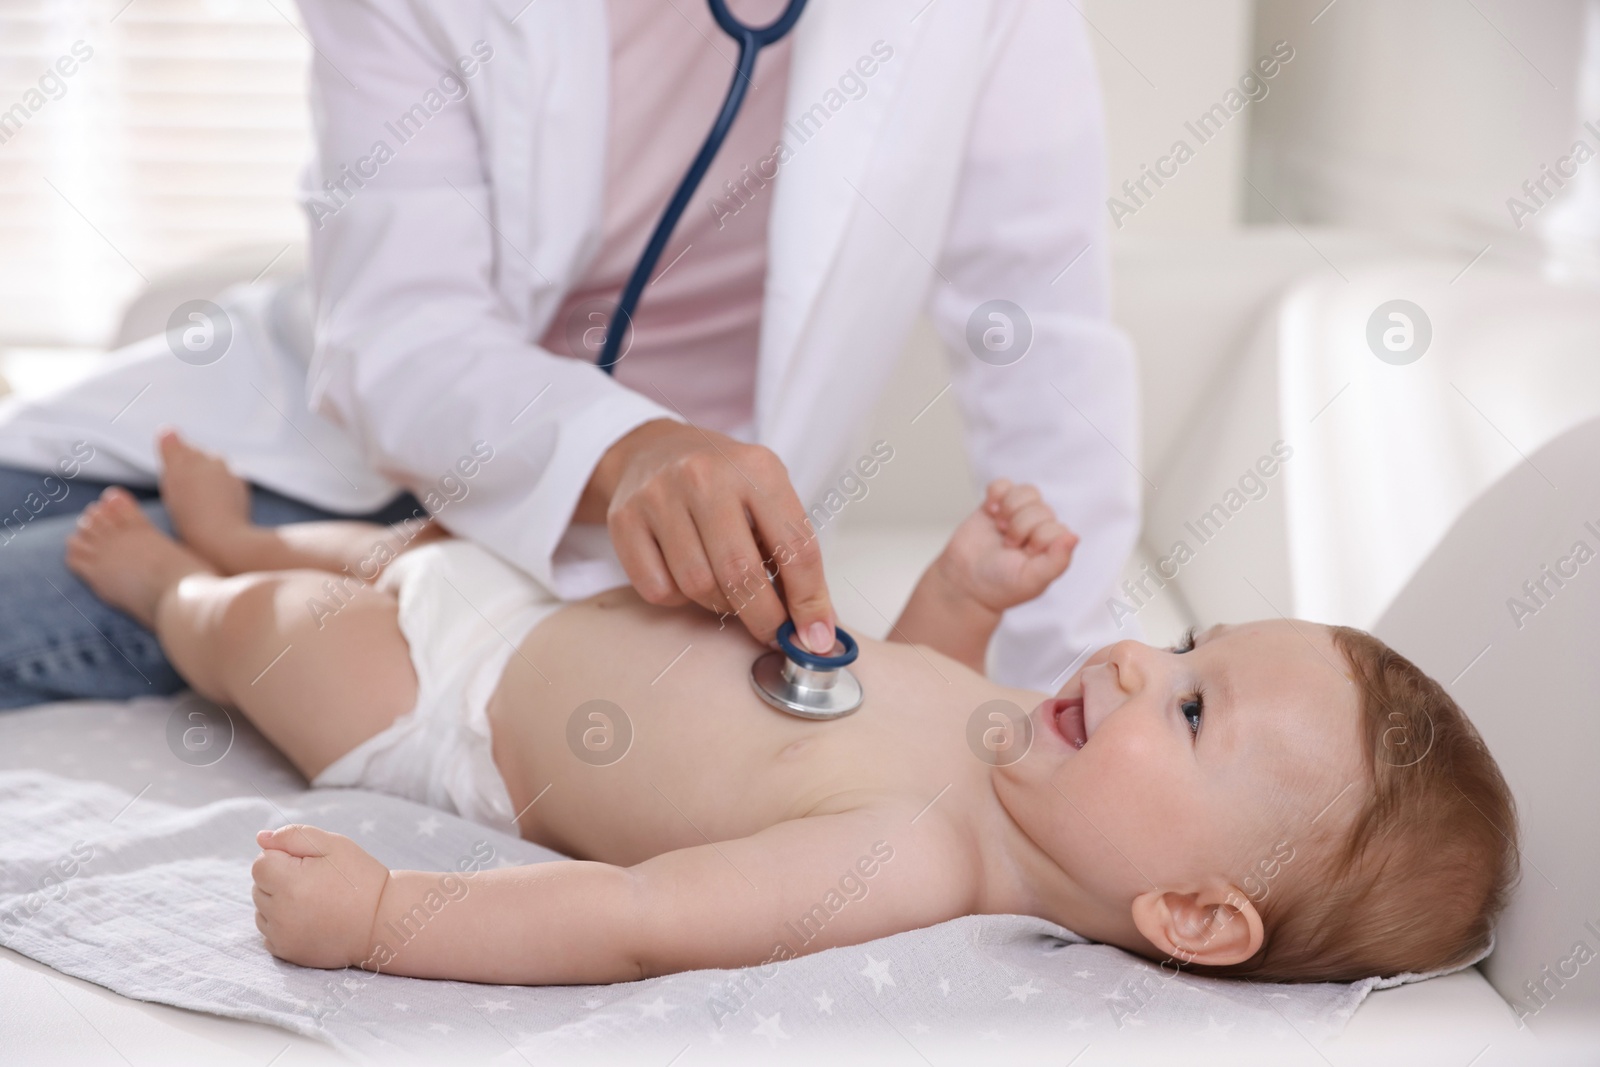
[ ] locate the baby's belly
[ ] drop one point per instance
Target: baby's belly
(625, 731)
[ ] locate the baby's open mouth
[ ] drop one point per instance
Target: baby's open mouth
(1067, 716)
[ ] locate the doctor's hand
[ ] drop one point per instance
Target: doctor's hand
(696, 515)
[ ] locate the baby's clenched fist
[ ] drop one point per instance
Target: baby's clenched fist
(1009, 550)
(316, 896)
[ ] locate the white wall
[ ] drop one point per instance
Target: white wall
(1161, 62)
(1418, 118)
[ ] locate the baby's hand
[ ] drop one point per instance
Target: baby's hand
(316, 896)
(1009, 550)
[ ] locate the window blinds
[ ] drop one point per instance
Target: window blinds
(137, 136)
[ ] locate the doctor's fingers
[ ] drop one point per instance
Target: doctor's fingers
(785, 529)
(640, 556)
(681, 544)
(741, 573)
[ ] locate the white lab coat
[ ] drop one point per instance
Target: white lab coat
(971, 169)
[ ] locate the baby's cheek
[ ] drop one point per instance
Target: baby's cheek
(1126, 777)
(1096, 787)
(1127, 749)
(1106, 833)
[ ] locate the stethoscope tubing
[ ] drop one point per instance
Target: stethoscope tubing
(777, 685)
(751, 41)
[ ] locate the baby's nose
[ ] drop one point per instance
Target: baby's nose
(1103, 693)
(1129, 660)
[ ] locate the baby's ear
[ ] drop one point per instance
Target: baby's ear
(1216, 927)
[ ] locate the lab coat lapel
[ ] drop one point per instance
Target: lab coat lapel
(818, 193)
(547, 152)
(559, 69)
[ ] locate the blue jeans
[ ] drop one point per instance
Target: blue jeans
(58, 641)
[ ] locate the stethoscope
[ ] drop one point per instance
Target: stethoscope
(792, 680)
(805, 684)
(751, 42)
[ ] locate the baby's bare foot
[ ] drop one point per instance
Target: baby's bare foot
(127, 561)
(209, 504)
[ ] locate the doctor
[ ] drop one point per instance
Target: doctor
(486, 175)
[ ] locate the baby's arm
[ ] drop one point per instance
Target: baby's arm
(791, 889)
(1005, 553)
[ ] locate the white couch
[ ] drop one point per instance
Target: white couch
(1229, 366)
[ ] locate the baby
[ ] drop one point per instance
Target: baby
(1277, 800)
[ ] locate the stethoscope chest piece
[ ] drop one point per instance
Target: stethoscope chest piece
(808, 685)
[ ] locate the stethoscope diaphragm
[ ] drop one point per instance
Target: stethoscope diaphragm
(805, 684)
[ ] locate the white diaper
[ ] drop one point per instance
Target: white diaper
(463, 611)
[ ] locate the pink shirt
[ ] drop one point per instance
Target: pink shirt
(697, 329)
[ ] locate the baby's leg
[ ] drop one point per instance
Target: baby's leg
(210, 509)
(316, 686)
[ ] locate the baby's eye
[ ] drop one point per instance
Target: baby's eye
(1192, 708)
(1186, 643)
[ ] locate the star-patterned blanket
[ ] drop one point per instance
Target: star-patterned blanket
(130, 868)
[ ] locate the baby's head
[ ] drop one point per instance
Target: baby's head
(1276, 800)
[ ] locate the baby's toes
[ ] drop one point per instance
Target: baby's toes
(80, 549)
(115, 507)
(174, 449)
(118, 507)
(94, 524)
(85, 522)
(177, 454)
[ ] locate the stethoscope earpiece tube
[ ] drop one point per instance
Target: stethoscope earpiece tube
(794, 680)
(751, 41)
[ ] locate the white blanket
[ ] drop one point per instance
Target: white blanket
(152, 899)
